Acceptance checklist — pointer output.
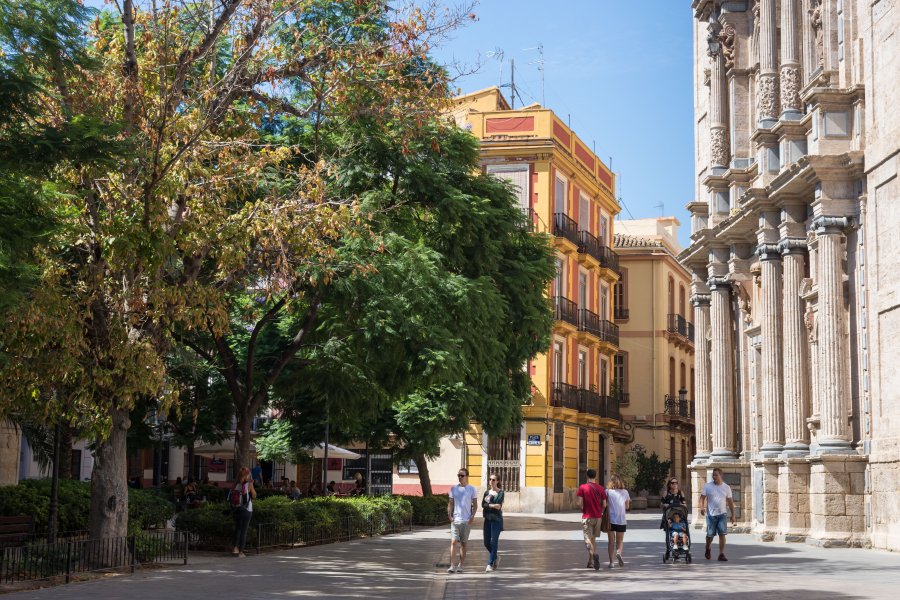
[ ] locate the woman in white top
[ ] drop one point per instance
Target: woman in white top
(619, 502)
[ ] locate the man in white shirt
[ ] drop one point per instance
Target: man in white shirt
(461, 510)
(715, 501)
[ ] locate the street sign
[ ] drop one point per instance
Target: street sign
(534, 439)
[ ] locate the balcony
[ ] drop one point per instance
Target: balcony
(564, 395)
(608, 259)
(565, 310)
(620, 313)
(589, 322)
(679, 326)
(565, 227)
(609, 332)
(679, 407)
(591, 402)
(588, 244)
(624, 398)
(610, 408)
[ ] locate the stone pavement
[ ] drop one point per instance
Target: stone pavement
(542, 557)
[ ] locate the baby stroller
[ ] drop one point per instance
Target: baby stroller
(682, 551)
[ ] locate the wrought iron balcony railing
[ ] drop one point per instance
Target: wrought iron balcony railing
(565, 227)
(608, 258)
(589, 321)
(565, 310)
(620, 313)
(678, 406)
(609, 332)
(680, 326)
(564, 395)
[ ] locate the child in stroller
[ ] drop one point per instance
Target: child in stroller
(678, 537)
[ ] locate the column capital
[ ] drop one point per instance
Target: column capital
(768, 252)
(701, 299)
(792, 246)
(829, 225)
(718, 282)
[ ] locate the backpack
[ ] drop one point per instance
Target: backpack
(237, 499)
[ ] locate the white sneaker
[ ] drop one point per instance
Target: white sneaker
(459, 568)
(619, 558)
(610, 565)
(451, 569)
(488, 569)
(242, 555)
(235, 551)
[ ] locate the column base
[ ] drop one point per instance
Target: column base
(791, 115)
(834, 447)
(795, 450)
(771, 450)
(767, 123)
(723, 456)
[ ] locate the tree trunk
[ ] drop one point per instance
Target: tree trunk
(109, 484)
(424, 477)
(242, 440)
(64, 464)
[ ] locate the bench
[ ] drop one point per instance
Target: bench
(14, 531)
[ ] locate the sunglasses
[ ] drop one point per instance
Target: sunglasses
(493, 479)
(461, 475)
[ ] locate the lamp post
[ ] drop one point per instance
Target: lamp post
(160, 435)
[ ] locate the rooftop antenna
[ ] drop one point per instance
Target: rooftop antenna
(498, 54)
(661, 206)
(540, 66)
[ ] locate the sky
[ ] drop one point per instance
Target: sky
(621, 71)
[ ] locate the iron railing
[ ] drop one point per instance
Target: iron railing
(589, 321)
(591, 402)
(680, 326)
(608, 258)
(62, 559)
(611, 408)
(620, 313)
(624, 398)
(565, 227)
(565, 395)
(676, 406)
(609, 332)
(588, 244)
(565, 310)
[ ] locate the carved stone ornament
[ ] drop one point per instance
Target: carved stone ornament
(727, 37)
(706, 77)
(809, 319)
(766, 98)
(790, 88)
(718, 146)
(815, 21)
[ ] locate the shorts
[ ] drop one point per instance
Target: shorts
(617, 528)
(591, 529)
(716, 525)
(459, 532)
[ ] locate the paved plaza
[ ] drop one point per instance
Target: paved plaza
(542, 557)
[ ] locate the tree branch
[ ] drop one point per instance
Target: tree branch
(251, 345)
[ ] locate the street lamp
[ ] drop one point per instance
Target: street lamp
(713, 43)
(159, 434)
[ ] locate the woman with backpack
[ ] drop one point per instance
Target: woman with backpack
(240, 498)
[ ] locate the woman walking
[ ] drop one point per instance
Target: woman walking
(240, 497)
(492, 505)
(619, 502)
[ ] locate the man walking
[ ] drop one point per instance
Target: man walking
(461, 511)
(715, 501)
(592, 501)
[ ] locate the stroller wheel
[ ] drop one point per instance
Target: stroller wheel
(687, 558)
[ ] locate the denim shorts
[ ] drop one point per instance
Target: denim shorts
(716, 525)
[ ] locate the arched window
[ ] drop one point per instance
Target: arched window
(671, 296)
(682, 371)
(671, 376)
(681, 300)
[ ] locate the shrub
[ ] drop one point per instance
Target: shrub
(32, 497)
(626, 467)
(652, 472)
(428, 510)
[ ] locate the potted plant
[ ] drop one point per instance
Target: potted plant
(651, 476)
(627, 467)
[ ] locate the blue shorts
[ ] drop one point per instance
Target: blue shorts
(716, 525)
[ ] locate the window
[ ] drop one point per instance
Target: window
(407, 467)
(559, 195)
(619, 304)
(519, 176)
(584, 213)
(604, 228)
(682, 372)
(603, 377)
(681, 300)
(559, 456)
(671, 376)
(582, 290)
(671, 296)
(559, 363)
(582, 369)
(619, 365)
(582, 453)
(559, 281)
(691, 384)
(76, 464)
(604, 302)
(503, 454)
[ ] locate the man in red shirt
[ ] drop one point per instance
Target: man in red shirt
(592, 501)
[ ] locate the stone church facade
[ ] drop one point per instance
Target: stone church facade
(794, 252)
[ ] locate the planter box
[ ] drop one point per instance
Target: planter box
(639, 503)
(653, 501)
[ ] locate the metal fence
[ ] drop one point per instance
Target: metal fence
(36, 560)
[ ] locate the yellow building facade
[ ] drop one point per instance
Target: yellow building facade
(654, 368)
(567, 192)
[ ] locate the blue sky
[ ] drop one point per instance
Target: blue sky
(621, 70)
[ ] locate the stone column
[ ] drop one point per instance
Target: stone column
(834, 359)
(772, 399)
(767, 82)
(796, 382)
(790, 61)
(702, 422)
(718, 105)
(721, 369)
